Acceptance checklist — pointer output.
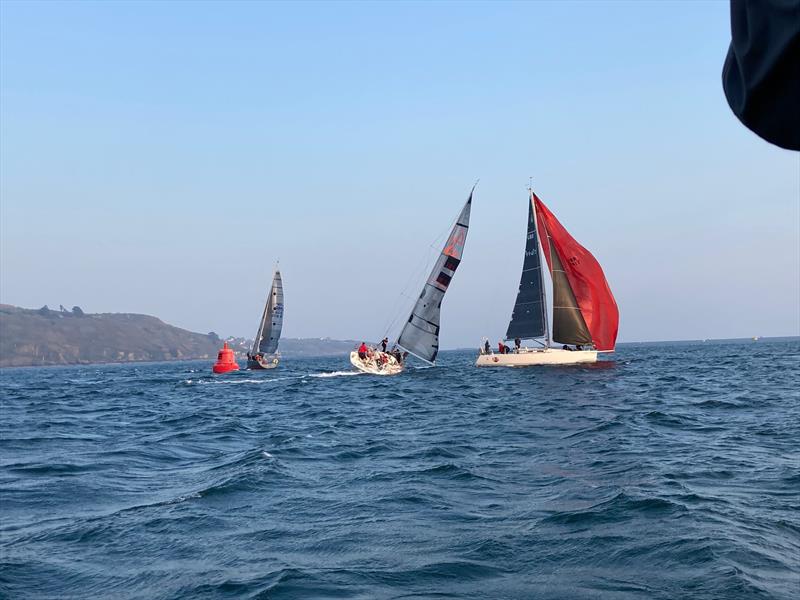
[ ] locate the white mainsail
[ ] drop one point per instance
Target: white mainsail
(269, 330)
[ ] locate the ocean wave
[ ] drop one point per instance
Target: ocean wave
(250, 380)
(619, 508)
(664, 477)
(336, 374)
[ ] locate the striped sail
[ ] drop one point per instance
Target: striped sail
(420, 335)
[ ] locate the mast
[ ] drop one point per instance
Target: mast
(260, 333)
(541, 275)
(529, 318)
(273, 317)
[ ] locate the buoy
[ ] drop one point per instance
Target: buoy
(226, 361)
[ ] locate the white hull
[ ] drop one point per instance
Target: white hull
(373, 365)
(531, 356)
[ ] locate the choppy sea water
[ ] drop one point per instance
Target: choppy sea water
(671, 471)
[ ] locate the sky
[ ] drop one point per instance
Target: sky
(160, 157)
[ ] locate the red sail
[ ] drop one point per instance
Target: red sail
(585, 276)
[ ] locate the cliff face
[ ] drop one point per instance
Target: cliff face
(48, 337)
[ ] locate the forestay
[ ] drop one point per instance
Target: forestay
(420, 335)
(269, 331)
(528, 318)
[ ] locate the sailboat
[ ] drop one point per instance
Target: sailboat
(585, 313)
(264, 354)
(420, 334)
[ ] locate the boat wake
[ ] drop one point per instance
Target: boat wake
(336, 374)
(232, 381)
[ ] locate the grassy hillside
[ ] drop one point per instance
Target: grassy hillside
(48, 337)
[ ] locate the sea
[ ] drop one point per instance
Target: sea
(663, 471)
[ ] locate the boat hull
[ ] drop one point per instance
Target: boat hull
(532, 357)
(373, 365)
(262, 362)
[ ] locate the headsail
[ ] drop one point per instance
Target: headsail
(528, 318)
(420, 335)
(569, 326)
(584, 309)
(269, 330)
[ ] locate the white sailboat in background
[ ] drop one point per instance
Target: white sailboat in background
(420, 334)
(264, 354)
(584, 310)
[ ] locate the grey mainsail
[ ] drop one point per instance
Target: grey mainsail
(269, 330)
(528, 318)
(420, 335)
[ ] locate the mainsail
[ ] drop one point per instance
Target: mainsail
(584, 309)
(269, 330)
(420, 335)
(528, 318)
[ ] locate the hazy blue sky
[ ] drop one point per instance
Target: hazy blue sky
(159, 157)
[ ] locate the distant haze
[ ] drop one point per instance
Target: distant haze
(160, 157)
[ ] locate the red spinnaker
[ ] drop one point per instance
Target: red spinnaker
(585, 276)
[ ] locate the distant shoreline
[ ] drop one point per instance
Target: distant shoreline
(778, 338)
(46, 337)
(300, 355)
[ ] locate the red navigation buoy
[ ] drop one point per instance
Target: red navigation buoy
(226, 361)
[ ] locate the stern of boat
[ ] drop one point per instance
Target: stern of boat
(372, 366)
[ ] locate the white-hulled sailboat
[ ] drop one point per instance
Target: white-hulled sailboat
(264, 354)
(420, 334)
(584, 310)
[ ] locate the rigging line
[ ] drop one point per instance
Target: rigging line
(423, 266)
(431, 255)
(453, 223)
(428, 260)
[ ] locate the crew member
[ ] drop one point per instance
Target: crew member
(362, 351)
(384, 343)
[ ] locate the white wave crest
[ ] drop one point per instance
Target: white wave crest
(335, 374)
(232, 381)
